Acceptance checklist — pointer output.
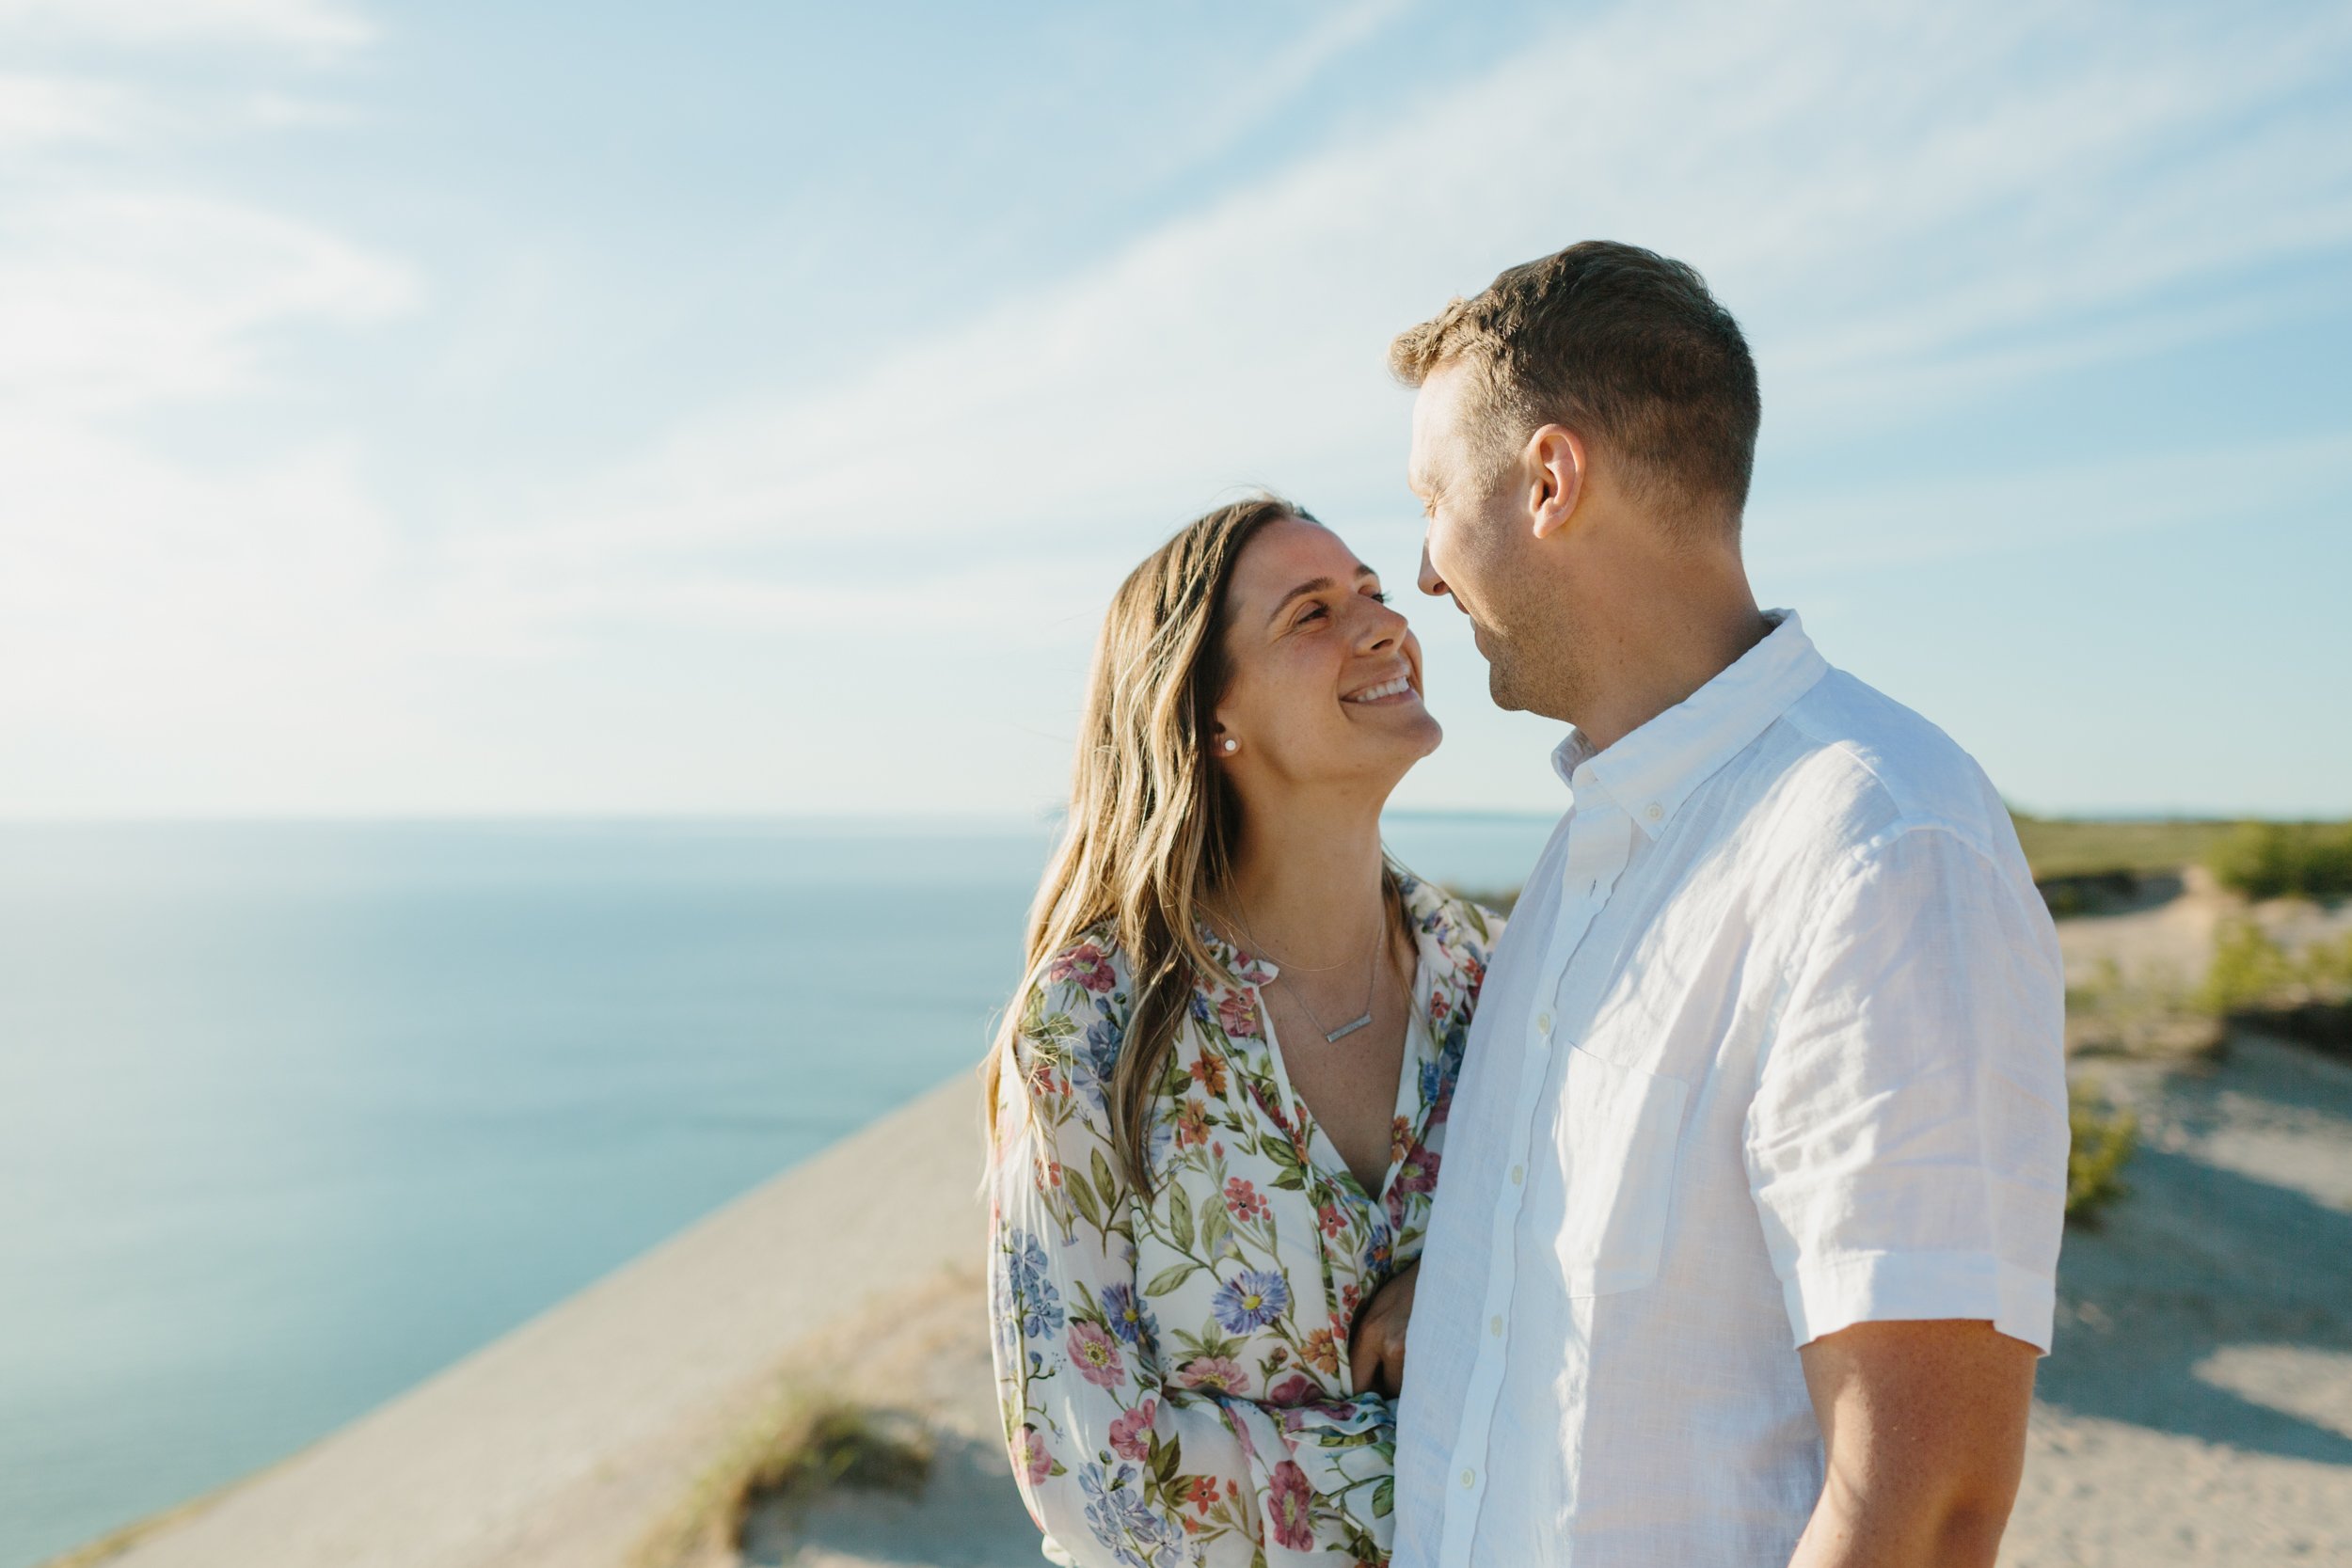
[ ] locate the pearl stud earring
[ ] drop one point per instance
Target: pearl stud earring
(1231, 745)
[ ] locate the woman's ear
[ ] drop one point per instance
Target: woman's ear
(1555, 457)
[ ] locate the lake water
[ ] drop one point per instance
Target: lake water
(292, 1116)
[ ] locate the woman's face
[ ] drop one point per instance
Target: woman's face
(1325, 678)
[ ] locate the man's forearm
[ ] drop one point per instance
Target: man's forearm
(1851, 1531)
(1923, 1424)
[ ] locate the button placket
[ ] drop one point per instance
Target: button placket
(1595, 856)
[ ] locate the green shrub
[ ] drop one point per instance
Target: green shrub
(2103, 1139)
(2329, 965)
(2282, 860)
(797, 1448)
(2248, 969)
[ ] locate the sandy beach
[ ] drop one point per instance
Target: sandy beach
(2198, 1407)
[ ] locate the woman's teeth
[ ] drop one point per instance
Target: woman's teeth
(1372, 694)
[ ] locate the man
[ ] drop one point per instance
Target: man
(1746, 1244)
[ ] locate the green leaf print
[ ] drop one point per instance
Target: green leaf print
(1082, 1199)
(1215, 1229)
(1180, 1216)
(1169, 1277)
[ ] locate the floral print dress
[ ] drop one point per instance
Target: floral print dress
(1174, 1373)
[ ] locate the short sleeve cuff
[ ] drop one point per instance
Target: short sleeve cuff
(1830, 1293)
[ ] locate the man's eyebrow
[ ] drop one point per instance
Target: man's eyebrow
(1319, 585)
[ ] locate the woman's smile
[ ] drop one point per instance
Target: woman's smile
(1387, 693)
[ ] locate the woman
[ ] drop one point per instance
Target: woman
(1186, 1214)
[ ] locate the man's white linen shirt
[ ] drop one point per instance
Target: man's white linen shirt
(1770, 1046)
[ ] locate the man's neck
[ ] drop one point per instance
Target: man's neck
(1647, 673)
(1662, 620)
(1306, 880)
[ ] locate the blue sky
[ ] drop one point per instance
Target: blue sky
(452, 409)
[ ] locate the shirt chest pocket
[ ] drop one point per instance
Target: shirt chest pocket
(1619, 1131)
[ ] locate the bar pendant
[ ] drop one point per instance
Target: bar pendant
(1346, 1029)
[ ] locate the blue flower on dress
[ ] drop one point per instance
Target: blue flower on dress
(1119, 1306)
(1040, 1309)
(1026, 1257)
(1035, 1300)
(1431, 1080)
(1122, 1520)
(1250, 1300)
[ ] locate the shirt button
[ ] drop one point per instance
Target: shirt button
(1519, 1174)
(1470, 1478)
(1543, 1023)
(1494, 1325)
(1655, 812)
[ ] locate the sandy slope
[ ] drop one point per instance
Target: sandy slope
(558, 1445)
(2198, 1409)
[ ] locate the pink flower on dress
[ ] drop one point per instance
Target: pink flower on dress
(1417, 1172)
(1290, 1506)
(1219, 1374)
(1238, 1014)
(1097, 1357)
(1029, 1455)
(1083, 963)
(1242, 1198)
(1298, 1388)
(1131, 1433)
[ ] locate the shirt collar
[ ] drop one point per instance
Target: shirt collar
(1653, 770)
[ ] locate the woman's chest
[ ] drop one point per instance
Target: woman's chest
(1256, 1246)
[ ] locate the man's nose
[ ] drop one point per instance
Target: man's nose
(1430, 581)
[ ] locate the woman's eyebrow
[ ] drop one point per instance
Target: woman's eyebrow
(1319, 585)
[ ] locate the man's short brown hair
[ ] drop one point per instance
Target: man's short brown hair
(1619, 344)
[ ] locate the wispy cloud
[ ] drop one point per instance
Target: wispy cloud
(1907, 208)
(1891, 236)
(1864, 529)
(309, 24)
(110, 303)
(38, 112)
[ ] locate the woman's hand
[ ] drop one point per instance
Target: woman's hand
(1375, 1346)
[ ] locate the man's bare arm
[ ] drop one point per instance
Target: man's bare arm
(1925, 1424)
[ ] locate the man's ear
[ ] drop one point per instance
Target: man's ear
(1555, 460)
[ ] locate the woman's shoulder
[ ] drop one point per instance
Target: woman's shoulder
(1091, 964)
(1076, 993)
(1464, 927)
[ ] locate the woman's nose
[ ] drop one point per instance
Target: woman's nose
(1381, 628)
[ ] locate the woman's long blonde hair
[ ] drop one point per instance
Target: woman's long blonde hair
(1153, 821)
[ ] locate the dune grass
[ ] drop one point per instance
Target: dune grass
(2103, 1139)
(2284, 859)
(2062, 846)
(803, 1445)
